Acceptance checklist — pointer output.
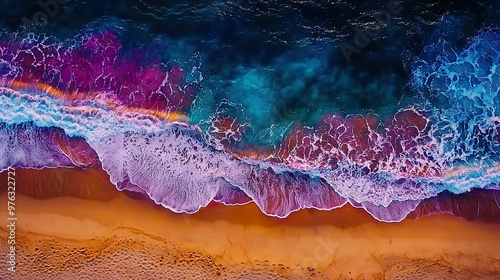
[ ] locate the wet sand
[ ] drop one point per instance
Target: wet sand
(117, 237)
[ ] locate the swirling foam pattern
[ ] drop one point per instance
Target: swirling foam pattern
(88, 103)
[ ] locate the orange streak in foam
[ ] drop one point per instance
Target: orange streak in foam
(170, 116)
(42, 87)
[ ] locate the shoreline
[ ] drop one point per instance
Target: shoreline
(312, 242)
(94, 183)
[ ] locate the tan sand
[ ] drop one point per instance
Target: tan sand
(74, 238)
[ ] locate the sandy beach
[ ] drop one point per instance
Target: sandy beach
(79, 235)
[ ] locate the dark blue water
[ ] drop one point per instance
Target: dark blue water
(274, 64)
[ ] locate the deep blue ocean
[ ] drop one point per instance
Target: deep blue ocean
(274, 64)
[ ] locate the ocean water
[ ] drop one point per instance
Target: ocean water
(287, 104)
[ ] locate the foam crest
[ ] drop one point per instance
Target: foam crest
(91, 120)
(467, 83)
